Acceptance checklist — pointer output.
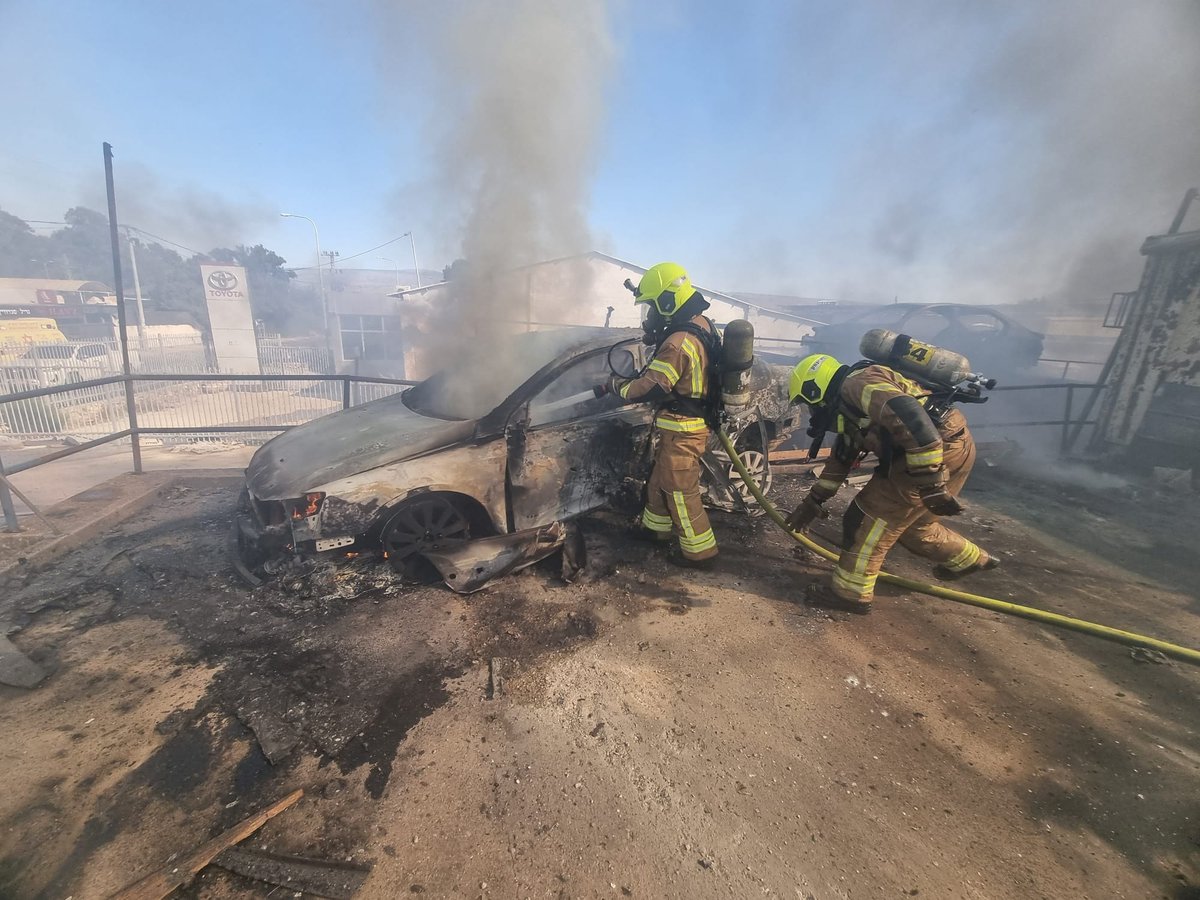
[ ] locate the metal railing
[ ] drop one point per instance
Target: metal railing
(263, 404)
(247, 404)
(1070, 425)
(1067, 363)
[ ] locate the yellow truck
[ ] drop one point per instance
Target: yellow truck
(29, 330)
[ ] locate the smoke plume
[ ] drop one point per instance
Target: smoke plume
(192, 216)
(1040, 143)
(518, 90)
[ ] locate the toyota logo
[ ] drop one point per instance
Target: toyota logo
(222, 281)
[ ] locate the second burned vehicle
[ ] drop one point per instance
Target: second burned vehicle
(496, 450)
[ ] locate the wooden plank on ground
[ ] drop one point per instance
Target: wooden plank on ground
(161, 883)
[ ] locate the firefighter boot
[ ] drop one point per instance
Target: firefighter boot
(982, 564)
(676, 558)
(641, 533)
(822, 595)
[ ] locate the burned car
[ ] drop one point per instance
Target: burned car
(499, 447)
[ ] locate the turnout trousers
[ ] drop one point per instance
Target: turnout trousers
(888, 510)
(673, 493)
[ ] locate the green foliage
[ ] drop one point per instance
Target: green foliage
(19, 247)
(82, 250)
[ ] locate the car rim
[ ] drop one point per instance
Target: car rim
(419, 527)
(756, 464)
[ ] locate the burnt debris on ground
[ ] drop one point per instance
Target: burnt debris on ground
(337, 660)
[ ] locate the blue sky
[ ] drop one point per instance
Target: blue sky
(936, 150)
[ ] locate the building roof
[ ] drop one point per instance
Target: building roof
(625, 264)
(58, 285)
(26, 291)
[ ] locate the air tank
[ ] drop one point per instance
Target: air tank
(737, 356)
(933, 366)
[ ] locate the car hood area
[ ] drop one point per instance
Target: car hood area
(346, 443)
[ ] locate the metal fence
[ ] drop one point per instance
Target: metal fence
(96, 405)
(195, 406)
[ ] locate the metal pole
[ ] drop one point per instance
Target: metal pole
(416, 265)
(320, 281)
(1066, 429)
(346, 393)
(6, 504)
(137, 290)
(130, 406)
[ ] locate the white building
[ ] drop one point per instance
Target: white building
(579, 290)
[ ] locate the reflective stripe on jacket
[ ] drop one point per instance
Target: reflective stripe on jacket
(882, 408)
(679, 370)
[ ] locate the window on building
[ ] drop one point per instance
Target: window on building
(369, 337)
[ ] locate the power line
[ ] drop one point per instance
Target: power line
(342, 259)
(163, 240)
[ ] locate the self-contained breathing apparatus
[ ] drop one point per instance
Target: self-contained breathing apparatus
(945, 374)
(729, 362)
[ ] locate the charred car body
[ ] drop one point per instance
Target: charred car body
(490, 448)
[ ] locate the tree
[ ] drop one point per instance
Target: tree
(456, 270)
(281, 305)
(22, 253)
(82, 250)
(83, 246)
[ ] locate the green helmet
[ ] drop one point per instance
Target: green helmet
(665, 286)
(811, 377)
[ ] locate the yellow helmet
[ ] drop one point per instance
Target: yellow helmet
(666, 286)
(811, 377)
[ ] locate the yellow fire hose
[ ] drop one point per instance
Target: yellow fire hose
(1025, 612)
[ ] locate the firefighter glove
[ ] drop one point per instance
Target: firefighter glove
(612, 386)
(939, 501)
(804, 514)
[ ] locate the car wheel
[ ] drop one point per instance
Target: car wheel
(420, 525)
(757, 465)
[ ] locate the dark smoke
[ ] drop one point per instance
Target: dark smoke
(518, 89)
(192, 216)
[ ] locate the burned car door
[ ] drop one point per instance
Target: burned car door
(568, 450)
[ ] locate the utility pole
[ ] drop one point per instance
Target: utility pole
(137, 290)
(114, 239)
(416, 265)
(328, 322)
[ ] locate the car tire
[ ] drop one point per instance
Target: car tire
(430, 522)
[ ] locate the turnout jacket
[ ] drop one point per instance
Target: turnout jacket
(883, 412)
(676, 379)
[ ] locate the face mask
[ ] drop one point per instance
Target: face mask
(654, 326)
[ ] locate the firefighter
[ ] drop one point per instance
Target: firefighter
(677, 381)
(924, 461)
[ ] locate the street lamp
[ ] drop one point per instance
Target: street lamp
(320, 277)
(394, 263)
(416, 266)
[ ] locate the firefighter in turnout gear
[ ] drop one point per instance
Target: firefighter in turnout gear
(677, 381)
(924, 461)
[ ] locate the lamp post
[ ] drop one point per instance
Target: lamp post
(416, 266)
(320, 279)
(397, 265)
